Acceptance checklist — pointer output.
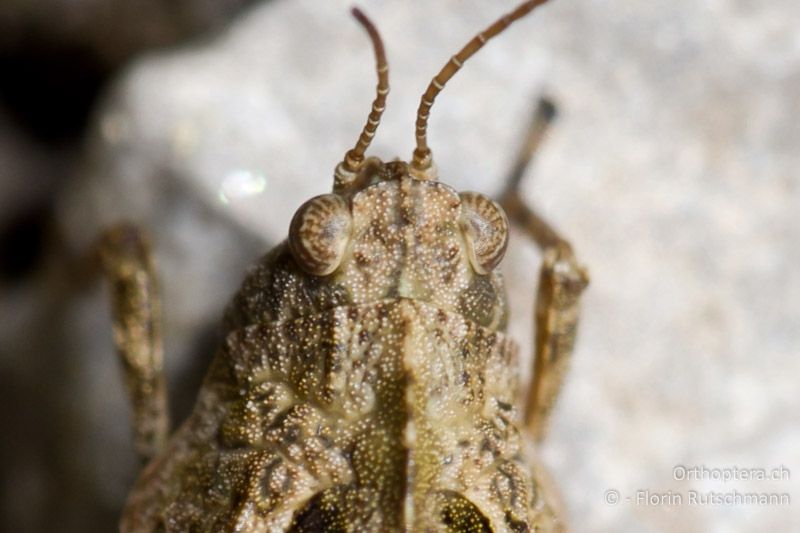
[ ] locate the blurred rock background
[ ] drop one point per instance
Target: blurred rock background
(673, 169)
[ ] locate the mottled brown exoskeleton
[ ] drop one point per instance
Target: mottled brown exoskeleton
(366, 382)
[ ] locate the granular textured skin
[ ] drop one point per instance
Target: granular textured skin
(380, 397)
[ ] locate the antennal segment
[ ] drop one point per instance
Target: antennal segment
(422, 159)
(354, 157)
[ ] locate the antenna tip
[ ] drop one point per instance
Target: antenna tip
(547, 109)
(358, 14)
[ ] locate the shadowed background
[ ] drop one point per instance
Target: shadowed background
(672, 168)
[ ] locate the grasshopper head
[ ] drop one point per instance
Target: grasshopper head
(390, 234)
(392, 230)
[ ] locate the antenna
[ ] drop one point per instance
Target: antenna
(354, 157)
(422, 159)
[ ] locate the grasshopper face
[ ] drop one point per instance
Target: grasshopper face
(391, 235)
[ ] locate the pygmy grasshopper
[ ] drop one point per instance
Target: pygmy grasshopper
(365, 382)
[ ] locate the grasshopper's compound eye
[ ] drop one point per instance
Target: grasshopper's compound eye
(485, 228)
(319, 233)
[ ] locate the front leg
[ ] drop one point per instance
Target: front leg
(125, 259)
(561, 281)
